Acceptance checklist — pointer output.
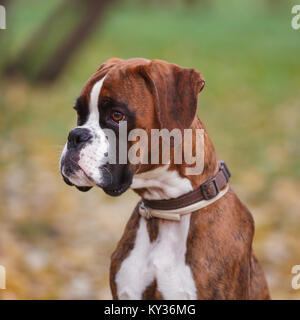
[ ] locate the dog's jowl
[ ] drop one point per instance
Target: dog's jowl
(189, 237)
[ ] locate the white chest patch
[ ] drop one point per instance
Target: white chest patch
(162, 260)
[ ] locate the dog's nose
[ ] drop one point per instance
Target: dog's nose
(78, 136)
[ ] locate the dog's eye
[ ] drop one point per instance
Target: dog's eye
(117, 116)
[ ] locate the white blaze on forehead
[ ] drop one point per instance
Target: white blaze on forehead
(92, 156)
(94, 99)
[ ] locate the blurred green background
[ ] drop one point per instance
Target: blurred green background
(56, 242)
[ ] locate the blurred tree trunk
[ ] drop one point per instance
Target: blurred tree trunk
(90, 13)
(95, 9)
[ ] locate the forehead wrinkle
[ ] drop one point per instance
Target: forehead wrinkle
(119, 83)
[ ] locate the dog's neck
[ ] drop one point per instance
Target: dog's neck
(171, 181)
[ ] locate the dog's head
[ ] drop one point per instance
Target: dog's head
(146, 94)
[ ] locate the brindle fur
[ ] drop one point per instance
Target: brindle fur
(219, 244)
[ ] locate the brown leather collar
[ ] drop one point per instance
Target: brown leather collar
(207, 191)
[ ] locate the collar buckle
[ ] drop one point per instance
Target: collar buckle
(210, 189)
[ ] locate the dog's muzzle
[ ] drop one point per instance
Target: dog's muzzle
(70, 168)
(85, 163)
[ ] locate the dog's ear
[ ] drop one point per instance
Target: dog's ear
(175, 91)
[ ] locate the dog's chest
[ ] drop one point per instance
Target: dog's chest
(162, 260)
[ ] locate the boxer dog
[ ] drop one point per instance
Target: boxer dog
(189, 237)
